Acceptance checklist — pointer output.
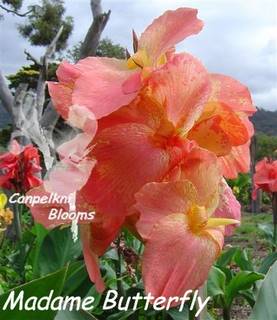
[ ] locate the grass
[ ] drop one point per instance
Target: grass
(249, 236)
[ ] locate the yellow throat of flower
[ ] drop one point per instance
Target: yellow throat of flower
(198, 220)
(142, 60)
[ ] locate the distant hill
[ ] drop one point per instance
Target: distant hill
(4, 117)
(265, 121)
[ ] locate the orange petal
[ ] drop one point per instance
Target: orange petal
(176, 260)
(237, 161)
(182, 86)
(219, 129)
(167, 30)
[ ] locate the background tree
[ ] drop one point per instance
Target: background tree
(42, 25)
(106, 48)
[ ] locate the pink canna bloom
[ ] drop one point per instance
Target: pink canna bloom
(139, 144)
(265, 177)
(146, 140)
(103, 85)
(182, 236)
(166, 131)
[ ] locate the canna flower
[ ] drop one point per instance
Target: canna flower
(103, 85)
(265, 177)
(183, 238)
(166, 132)
(20, 167)
(146, 140)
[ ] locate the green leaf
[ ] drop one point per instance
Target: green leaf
(242, 260)
(77, 281)
(226, 257)
(37, 288)
(216, 282)
(268, 262)
(243, 280)
(267, 229)
(57, 250)
(175, 314)
(265, 306)
(121, 315)
(74, 315)
(40, 232)
(249, 297)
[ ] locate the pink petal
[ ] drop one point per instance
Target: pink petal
(228, 207)
(41, 211)
(266, 175)
(126, 160)
(201, 168)
(169, 29)
(231, 92)
(61, 96)
(157, 200)
(67, 177)
(91, 259)
(82, 118)
(100, 86)
(103, 229)
(183, 87)
(75, 148)
(176, 260)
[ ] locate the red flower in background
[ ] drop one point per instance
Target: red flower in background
(265, 177)
(19, 168)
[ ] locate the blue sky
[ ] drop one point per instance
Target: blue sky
(239, 38)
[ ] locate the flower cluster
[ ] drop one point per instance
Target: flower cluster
(160, 133)
(6, 214)
(19, 168)
(265, 177)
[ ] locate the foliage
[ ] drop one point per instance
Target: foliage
(30, 74)
(42, 25)
(233, 275)
(13, 4)
(106, 48)
(266, 146)
(267, 297)
(241, 187)
(5, 134)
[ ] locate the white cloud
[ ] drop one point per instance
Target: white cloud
(239, 37)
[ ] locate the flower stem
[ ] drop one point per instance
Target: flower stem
(274, 212)
(17, 222)
(226, 313)
(118, 268)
